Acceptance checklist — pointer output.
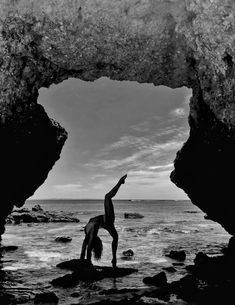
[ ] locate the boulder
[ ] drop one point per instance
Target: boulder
(75, 264)
(37, 208)
(66, 281)
(177, 255)
(133, 215)
(190, 268)
(159, 279)
(117, 291)
(8, 248)
(127, 255)
(178, 264)
(85, 271)
(24, 217)
(201, 258)
(46, 298)
(7, 299)
(63, 239)
(230, 249)
(75, 295)
(38, 215)
(170, 269)
(186, 287)
(128, 252)
(23, 210)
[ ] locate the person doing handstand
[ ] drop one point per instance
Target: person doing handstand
(92, 243)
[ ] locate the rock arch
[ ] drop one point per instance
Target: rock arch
(172, 42)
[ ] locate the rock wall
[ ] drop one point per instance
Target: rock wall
(172, 42)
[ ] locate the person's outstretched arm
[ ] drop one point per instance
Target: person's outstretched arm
(84, 245)
(89, 246)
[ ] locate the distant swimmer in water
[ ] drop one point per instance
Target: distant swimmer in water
(92, 243)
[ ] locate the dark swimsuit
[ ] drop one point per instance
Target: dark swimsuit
(100, 222)
(97, 220)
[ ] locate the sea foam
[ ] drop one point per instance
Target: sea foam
(43, 256)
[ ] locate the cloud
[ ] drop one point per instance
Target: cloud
(141, 127)
(147, 173)
(146, 153)
(187, 97)
(164, 166)
(149, 143)
(147, 177)
(178, 112)
(68, 186)
(170, 130)
(98, 176)
(128, 141)
(128, 162)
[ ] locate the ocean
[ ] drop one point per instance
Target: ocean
(166, 225)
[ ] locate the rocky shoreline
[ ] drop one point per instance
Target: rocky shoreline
(37, 215)
(210, 280)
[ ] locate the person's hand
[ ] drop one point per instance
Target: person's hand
(114, 263)
(122, 180)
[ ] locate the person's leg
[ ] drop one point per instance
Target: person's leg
(113, 232)
(108, 204)
(109, 216)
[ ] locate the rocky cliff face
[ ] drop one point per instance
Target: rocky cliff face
(172, 42)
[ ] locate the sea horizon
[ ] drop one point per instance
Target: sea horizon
(93, 199)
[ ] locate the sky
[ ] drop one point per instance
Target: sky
(116, 128)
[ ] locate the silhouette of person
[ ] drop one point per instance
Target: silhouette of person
(92, 243)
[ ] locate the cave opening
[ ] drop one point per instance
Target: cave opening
(113, 128)
(173, 43)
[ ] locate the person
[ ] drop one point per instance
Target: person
(92, 243)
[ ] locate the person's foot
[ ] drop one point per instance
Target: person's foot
(114, 263)
(122, 180)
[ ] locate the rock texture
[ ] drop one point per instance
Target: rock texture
(132, 215)
(46, 298)
(38, 215)
(178, 255)
(172, 42)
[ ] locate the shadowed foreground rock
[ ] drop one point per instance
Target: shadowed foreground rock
(172, 43)
(46, 298)
(7, 249)
(210, 280)
(159, 279)
(84, 271)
